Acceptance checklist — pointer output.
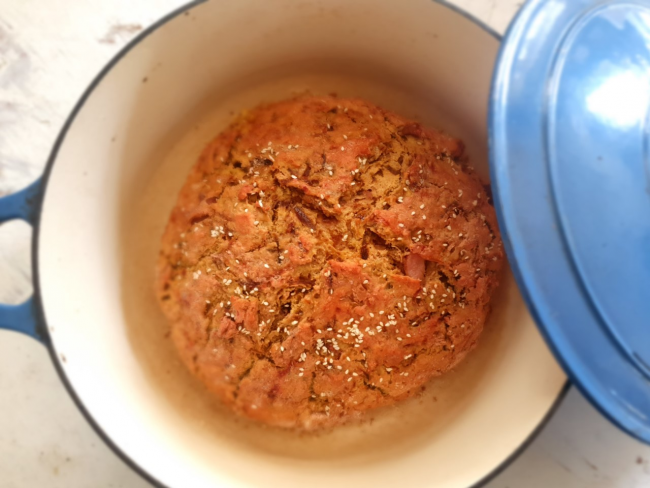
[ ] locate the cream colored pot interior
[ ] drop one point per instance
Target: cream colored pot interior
(115, 180)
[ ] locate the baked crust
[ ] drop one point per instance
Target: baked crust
(327, 257)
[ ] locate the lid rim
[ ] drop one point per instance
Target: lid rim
(506, 104)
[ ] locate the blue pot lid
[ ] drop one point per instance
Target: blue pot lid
(570, 154)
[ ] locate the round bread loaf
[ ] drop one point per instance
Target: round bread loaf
(327, 257)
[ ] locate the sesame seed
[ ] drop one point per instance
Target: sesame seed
(424, 217)
(281, 348)
(295, 322)
(342, 148)
(266, 266)
(294, 177)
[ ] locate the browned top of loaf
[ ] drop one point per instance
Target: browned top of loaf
(326, 257)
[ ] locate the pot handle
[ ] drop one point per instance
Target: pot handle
(24, 205)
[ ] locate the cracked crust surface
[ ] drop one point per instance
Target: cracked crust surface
(326, 257)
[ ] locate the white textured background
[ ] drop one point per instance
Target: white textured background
(49, 52)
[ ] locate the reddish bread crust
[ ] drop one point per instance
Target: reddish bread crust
(326, 257)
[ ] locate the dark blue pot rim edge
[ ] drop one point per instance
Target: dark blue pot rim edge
(41, 326)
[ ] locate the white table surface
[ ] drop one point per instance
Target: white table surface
(49, 52)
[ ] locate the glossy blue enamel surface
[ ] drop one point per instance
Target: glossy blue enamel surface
(596, 129)
(23, 205)
(569, 143)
